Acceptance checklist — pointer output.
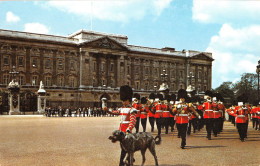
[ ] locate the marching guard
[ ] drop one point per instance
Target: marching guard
(182, 109)
(151, 114)
(137, 106)
(241, 113)
(144, 111)
(208, 116)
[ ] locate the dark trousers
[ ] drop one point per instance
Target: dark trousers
(151, 121)
(209, 126)
(172, 123)
(167, 122)
(137, 124)
(221, 123)
(215, 126)
(143, 122)
(192, 123)
(182, 130)
(159, 123)
(255, 123)
(241, 127)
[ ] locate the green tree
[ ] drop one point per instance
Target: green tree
(226, 91)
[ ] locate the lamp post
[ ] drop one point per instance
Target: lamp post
(190, 77)
(258, 72)
(164, 76)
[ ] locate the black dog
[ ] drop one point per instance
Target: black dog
(134, 142)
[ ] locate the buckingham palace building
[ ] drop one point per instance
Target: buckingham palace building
(80, 69)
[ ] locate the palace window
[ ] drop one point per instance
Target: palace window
(181, 74)
(102, 67)
(34, 62)
(205, 75)
(20, 61)
(72, 82)
(137, 70)
(205, 88)
(47, 63)
(111, 67)
(156, 72)
(112, 83)
(93, 82)
(34, 80)
(146, 71)
(199, 75)
(146, 86)
(103, 82)
(6, 60)
(6, 79)
(72, 66)
(48, 81)
(60, 81)
(173, 87)
(128, 70)
(137, 85)
(94, 66)
(181, 86)
(60, 64)
(21, 80)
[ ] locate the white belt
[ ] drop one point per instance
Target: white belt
(215, 111)
(143, 112)
(208, 110)
(166, 111)
(241, 116)
(125, 122)
(183, 115)
(158, 110)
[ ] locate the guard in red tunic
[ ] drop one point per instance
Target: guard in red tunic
(151, 114)
(128, 115)
(222, 110)
(137, 106)
(208, 116)
(216, 117)
(158, 113)
(144, 111)
(172, 120)
(254, 117)
(182, 109)
(241, 114)
(166, 112)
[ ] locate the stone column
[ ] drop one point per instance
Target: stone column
(14, 99)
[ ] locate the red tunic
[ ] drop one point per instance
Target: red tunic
(166, 112)
(241, 116)
(158, 113)
(144, 112)
(128, 118)
(208, 111)
(137, 106)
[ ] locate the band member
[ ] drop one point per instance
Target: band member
(137, 106)
(166, 112)
(208, 115)
(158, 112)
(144, 111)
(172, 120)
(151, 114)
(182, 109)
(216, 116)
(241, 113)
(128, 115)
(221, 108)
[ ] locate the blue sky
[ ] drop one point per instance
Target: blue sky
(230, 29)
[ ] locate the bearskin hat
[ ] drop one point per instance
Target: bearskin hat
(143, 100)
(152, 96)
(173, 97)
(137, 96)
(160, 96)
(168, 98)
(126, 93)
(182, 94)
(209, 93)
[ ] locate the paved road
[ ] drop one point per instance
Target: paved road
(35, 140)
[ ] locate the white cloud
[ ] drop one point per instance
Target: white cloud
(36, 28)
(10, 17)
(236, 51)
(121, 11)
(223, 11)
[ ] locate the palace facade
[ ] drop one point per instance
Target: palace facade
(81, 68)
